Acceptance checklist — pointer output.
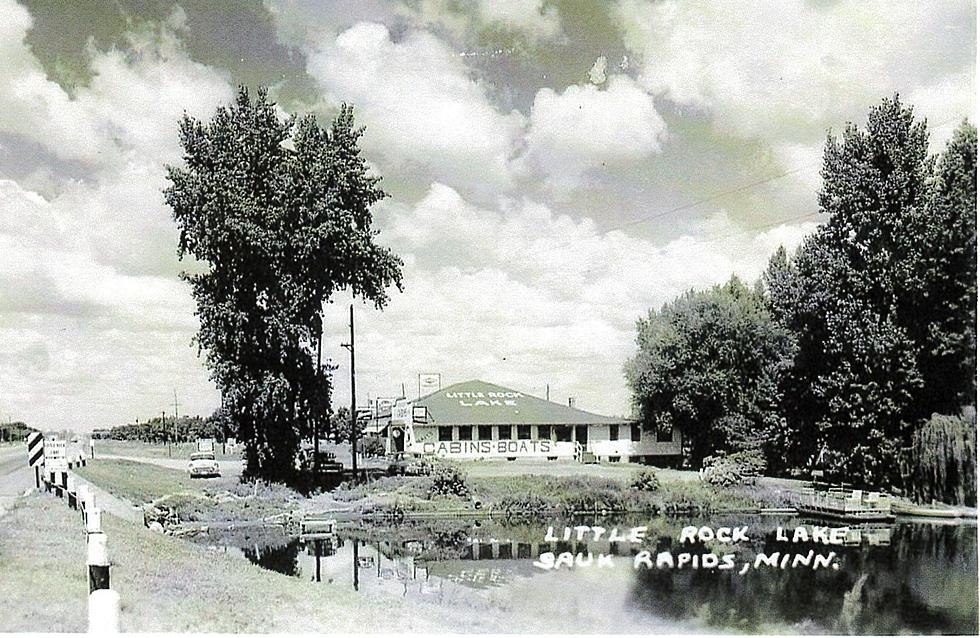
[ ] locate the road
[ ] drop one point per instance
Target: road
(228, 468)
(15, 477)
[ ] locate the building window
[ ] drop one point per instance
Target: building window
(466, 433)
(504, 433)
(634, 433)
(484, 432)
(544, 432)
(614, 432)
(523, 432)
(563, 433)
(445, 433)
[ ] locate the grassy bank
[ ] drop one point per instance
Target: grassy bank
(497, 487)
(530, 495)
(167, 585)
(194, 500)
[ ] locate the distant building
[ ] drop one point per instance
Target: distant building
(476, 419)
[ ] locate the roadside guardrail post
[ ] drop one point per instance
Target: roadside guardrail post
(83, 500)
(70, 491)
(93, 521)
(98, 560)
(103, 612)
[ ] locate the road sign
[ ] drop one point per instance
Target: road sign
(35, 449)
(429, 382)
(56, 455)
(205, 445)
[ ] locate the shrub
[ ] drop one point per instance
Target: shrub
(448, 480)
(740, 468)
(527, 507)
(646, 481)
(371, 446)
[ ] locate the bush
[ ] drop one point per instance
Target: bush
(646, 481)
(448, 480)
(528, 507)
(371, 446)
(740, 468)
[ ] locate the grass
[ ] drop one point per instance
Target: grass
(498, 487)
(194, 500)
(143, 483)
(43, 581)
(180, 451)
(168, 585)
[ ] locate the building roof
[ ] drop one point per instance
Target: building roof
(481, 403)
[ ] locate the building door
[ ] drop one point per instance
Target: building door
(582, 434)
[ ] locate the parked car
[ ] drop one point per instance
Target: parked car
(203, 464)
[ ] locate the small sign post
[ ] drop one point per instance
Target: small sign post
(56, 455)
(35, 455)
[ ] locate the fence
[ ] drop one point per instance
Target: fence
(103, 602)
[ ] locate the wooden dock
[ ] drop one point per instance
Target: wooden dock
(847, 505)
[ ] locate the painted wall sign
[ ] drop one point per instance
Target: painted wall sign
(476, 449)
(486, 399)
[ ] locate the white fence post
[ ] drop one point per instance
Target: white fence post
(98, 561)
(103, 612)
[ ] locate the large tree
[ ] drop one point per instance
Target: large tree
(277, 211)
(710, 363)
(882, 297)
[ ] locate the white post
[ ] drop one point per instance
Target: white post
(93, 521)
(103, 612)
(98, 561)
(70, 488)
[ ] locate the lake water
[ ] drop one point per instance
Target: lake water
(905, 577)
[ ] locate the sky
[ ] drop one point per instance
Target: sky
(556, 169)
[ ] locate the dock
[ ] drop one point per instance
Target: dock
(854, 506)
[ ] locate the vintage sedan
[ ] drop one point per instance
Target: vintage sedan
(203, 464)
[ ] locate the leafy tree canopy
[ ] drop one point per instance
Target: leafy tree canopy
(277, 210)
(710, 363)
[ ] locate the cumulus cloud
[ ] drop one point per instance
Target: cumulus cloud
(786, 71)
(532, 297)
(586, 128)
(94, 323)
(424, 112)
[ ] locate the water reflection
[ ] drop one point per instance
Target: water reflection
(899, 578)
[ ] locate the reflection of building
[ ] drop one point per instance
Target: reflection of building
(475, 419)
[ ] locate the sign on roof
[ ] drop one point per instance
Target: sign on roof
(479, 402)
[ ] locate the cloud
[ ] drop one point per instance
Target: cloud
(131, 105)
(586, 128)
(94, 324)
(786, 71)
(521, 295)
(533, 18)
(425, 115)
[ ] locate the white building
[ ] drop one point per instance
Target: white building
(475, 419)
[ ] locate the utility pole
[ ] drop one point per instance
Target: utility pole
(316, 417)
(353, 400)
(175, 416)
(163, 424)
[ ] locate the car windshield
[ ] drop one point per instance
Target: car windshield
(202, 456)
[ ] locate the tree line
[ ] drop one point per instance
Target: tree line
(854, 354)
(160, 430)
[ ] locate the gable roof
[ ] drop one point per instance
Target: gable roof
(481, 403)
